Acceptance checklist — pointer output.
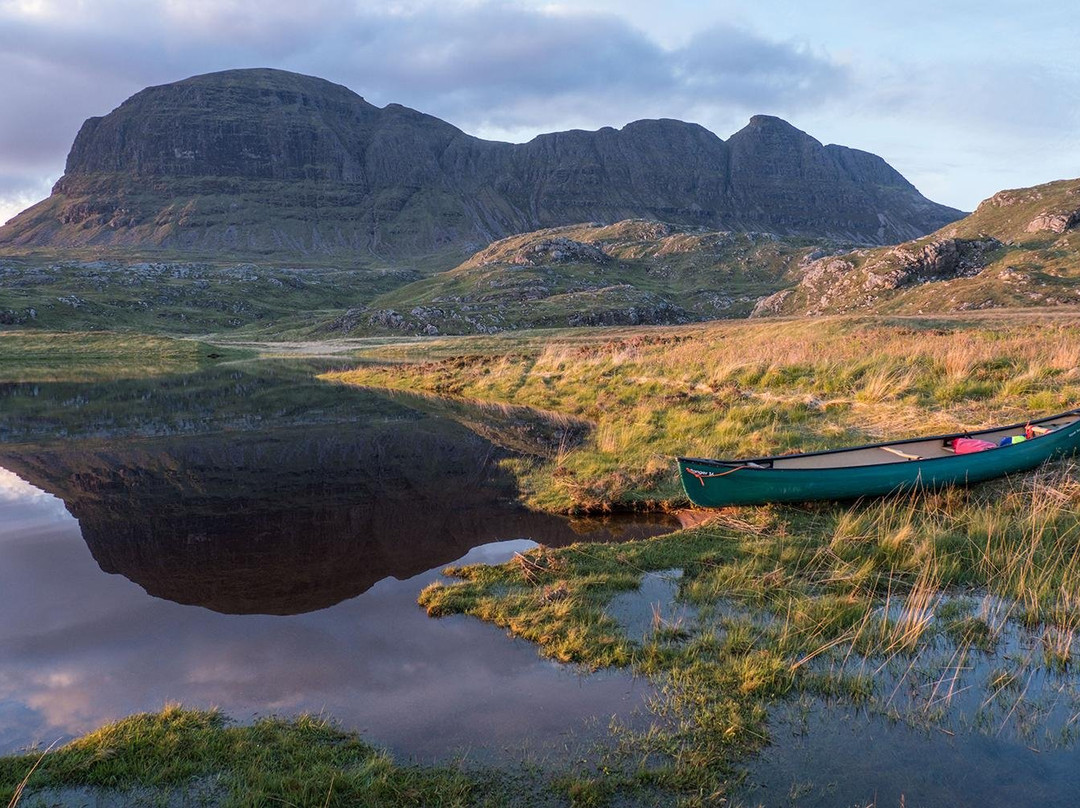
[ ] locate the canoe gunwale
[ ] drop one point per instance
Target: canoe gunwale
(765, 464)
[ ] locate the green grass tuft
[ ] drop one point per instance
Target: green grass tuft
(304, 761)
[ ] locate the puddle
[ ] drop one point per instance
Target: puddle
(948, 725)
(652, 606)
(826, 755)
(79, 648)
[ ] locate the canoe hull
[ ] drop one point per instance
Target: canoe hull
(715, 483)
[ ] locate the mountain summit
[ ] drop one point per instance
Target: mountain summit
(267, 161)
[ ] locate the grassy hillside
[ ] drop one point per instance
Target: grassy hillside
(633, 272)
(1023, 214)
(1020, 248)
(630, 273)
(161, 296)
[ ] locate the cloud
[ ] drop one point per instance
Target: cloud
(491, 67)
(744, 69)
(19, 192)
(961, 129)
(1004, 98)
(515, 70)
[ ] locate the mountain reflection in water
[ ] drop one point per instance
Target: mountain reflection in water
(294, 520)
(305, 518)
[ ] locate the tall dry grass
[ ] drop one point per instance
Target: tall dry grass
(755, 388)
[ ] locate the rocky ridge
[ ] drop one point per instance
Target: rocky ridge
(1020, 248)
(634, 272)
(265, 161)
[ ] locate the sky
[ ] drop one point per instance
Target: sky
(963, 98)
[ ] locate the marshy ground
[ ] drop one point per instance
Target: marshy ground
(950, 612)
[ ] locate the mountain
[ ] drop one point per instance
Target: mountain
(267, 162)
(1020, 247)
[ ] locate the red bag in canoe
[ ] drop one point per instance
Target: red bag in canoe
(969, 445)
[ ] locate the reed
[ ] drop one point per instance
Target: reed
(832, 600)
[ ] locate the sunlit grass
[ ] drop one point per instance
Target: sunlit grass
(304, 761)
(817, 599)
(750, 389)
(797, 600)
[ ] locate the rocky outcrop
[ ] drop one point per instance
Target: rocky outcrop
(940, 259)
(1017, 249)
(651, 312)
(1012, 214)
(771, 304)
(269, 161)
(542, 252)
(1054, 222)
(859, 279)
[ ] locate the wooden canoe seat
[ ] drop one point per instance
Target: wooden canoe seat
(905, 455)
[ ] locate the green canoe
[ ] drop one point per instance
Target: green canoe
(880, 468)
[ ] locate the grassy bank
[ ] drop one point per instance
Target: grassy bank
(44, 356)
(200, 754)
(744, 388)
(833, 601)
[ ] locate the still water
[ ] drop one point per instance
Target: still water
(253, 539)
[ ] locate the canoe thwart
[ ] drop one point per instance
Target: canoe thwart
(905, 455)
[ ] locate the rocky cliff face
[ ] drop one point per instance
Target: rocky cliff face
(267, 161)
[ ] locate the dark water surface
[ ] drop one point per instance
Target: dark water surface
(252, 539)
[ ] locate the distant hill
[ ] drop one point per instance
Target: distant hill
(266, 162)
(1019, 248)
(633, 272)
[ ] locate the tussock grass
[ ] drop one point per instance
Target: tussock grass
(790, 601)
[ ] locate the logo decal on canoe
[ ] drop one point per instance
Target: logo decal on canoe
(702, 475)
